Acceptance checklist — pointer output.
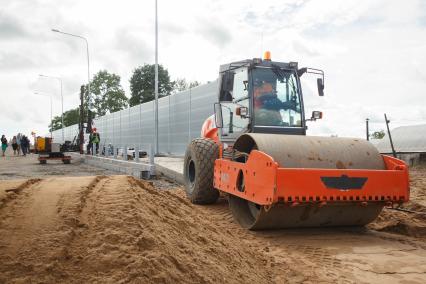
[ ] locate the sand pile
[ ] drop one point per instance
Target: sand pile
(117, 229)
(407, 223)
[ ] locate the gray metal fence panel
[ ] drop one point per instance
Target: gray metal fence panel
(180, 117)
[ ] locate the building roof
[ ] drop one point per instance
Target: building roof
(406, 139)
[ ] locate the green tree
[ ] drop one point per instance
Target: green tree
(378, 134)
(181, 85)
(142, 84)
(55, 124)
(107, 94)
(71, 117)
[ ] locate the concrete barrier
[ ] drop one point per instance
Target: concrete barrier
(172, 168)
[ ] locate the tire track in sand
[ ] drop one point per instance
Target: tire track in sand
(11, 189)
(37, 225)
(135, 233)
(342, 255)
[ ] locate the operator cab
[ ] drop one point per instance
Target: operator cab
(261, 96)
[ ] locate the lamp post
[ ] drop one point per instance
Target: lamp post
(88, 61)
(62, 103)
(51, 109)
(156, 78)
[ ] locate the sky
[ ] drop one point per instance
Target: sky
(373, 53)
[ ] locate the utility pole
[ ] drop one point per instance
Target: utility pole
(390, 137)
(81, 121)
(367, 129)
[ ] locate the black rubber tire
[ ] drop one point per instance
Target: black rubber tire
(199, 170)
(43, 162)
(66, 162)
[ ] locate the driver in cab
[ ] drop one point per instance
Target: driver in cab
(267, 105)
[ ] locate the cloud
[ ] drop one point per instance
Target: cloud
(214, 32)
(13, 60)
(11, 28)
(133, 45)
(371, 51)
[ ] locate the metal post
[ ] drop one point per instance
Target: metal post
(190, 116)
(151, 155)
(62, 116)
(113, 134)
(390, 137)
(88, 74)
(168, 129)
(121, 145)
(367, 130)
(156, 79)
(140, 126)
(81, 121)
(136, 154)
(51, 116)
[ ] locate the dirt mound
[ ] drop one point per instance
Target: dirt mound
(110, 229)
(413, 221)
(409, 224)
(118, 229)
(10, 189)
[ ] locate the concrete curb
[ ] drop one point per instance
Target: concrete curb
(169, 173)
(136, 169)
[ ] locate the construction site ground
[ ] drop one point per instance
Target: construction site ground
(75, 223)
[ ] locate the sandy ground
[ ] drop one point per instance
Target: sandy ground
(118, 229)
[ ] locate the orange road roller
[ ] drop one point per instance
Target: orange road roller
(255, 150)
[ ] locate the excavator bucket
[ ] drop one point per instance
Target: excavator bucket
(298, 181)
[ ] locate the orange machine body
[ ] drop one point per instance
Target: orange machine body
(262, 181)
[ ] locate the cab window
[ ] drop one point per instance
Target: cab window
(276, 98)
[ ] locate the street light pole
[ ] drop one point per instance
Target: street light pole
(156, 78)
(88, 61)
(62, 104)
(51, 110)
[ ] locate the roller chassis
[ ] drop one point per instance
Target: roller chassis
(260, 180)
(263, 195)
(44, 157)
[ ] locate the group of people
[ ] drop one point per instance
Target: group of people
(20, 144)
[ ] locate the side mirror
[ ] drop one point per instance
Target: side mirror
(316, 115)
(218, 115)
(242, 111)
(320, 85)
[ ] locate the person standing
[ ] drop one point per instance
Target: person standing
(14, 145)
(24, 145)
(95, 139)
(3, 144)
(89, 145)
(18, 142)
